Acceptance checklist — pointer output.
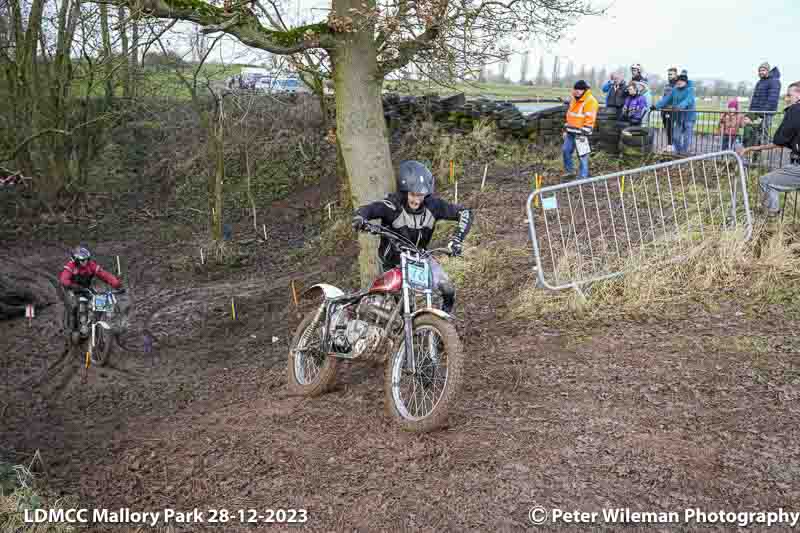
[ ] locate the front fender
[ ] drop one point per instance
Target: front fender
(329, 291)
(432, 311)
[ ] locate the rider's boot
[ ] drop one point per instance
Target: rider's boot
(448, 297)
(448, 303)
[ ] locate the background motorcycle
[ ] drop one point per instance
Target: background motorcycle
(96, 313)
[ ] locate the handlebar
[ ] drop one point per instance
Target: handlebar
(402, 243)
(92, 292)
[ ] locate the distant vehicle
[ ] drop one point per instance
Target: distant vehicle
(281, 85)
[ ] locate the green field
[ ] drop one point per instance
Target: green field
(164, 81)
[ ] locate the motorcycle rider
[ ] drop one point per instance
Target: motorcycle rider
(76, 277)
(413, 212)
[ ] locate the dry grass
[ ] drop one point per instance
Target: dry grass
(428, 142)
(675, 272)
(18, 493)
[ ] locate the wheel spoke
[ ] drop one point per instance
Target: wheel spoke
(416, 394)
(309, 357)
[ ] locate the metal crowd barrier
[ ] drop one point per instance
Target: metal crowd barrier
(598, 228)
(706, 135)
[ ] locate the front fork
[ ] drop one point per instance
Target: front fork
(92, 340)
(408, 326)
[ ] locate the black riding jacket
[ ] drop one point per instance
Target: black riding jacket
(788, 133)
(416, 227)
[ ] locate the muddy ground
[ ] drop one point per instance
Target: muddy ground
(655, 414)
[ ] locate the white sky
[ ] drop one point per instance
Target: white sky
(724, 39)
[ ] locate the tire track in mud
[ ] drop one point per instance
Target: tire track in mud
(208, 295)
(61, 370)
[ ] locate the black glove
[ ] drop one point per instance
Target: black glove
(455, 246)
(358, 223)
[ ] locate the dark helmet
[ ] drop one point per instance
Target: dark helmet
(414, 177)
(81, 254)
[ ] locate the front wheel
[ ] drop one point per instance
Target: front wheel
(102, 346)
(311, 371)
(418, 399)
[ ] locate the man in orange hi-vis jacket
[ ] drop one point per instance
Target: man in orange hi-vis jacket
(581, 116)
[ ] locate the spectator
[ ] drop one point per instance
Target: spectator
(614, 90)
(680, 102)
(787, 136)
(730, 123)
(635, 104)
(637, 74)
(666, 117)
(765, 98)
(581, 116)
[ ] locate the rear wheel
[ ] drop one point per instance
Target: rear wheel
(419, 400)
(311, 371)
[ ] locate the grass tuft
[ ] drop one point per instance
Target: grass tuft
(678, 271)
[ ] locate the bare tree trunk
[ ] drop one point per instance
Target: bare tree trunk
(24, 79)
(246, 150)
(217, 145)
(107, 55)
(360, 125)
(60, 172)
(133, 64)
(123, 33)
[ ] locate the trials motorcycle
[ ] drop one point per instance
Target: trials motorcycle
(425, 358)
(96, 314)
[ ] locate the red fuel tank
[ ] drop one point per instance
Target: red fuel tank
(391, 281)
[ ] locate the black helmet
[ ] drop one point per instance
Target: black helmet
(81, 254)
(415, 177)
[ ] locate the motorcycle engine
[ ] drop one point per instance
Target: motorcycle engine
(359, 334)
(338, 330)
(363, 336)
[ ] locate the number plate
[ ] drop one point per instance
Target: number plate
(103, 302)
(418, 275)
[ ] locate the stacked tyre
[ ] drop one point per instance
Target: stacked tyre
(551, 122)
(636, 141)
(608, 131)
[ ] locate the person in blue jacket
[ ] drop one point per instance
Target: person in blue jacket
(681, 103)
(766, 95)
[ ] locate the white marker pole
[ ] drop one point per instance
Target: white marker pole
(485, 170)
(455, 194)
(202, 257)
(329, 211)
(265, 233)
(119, 269)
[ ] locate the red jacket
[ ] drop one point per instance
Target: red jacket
(73, 276)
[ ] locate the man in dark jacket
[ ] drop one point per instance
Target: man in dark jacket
(766, 95)
(412, 212)
(614, 90)
(787, 136)
(666, 116)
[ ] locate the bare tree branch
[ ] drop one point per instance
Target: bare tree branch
(48, 131)
(244, 25)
